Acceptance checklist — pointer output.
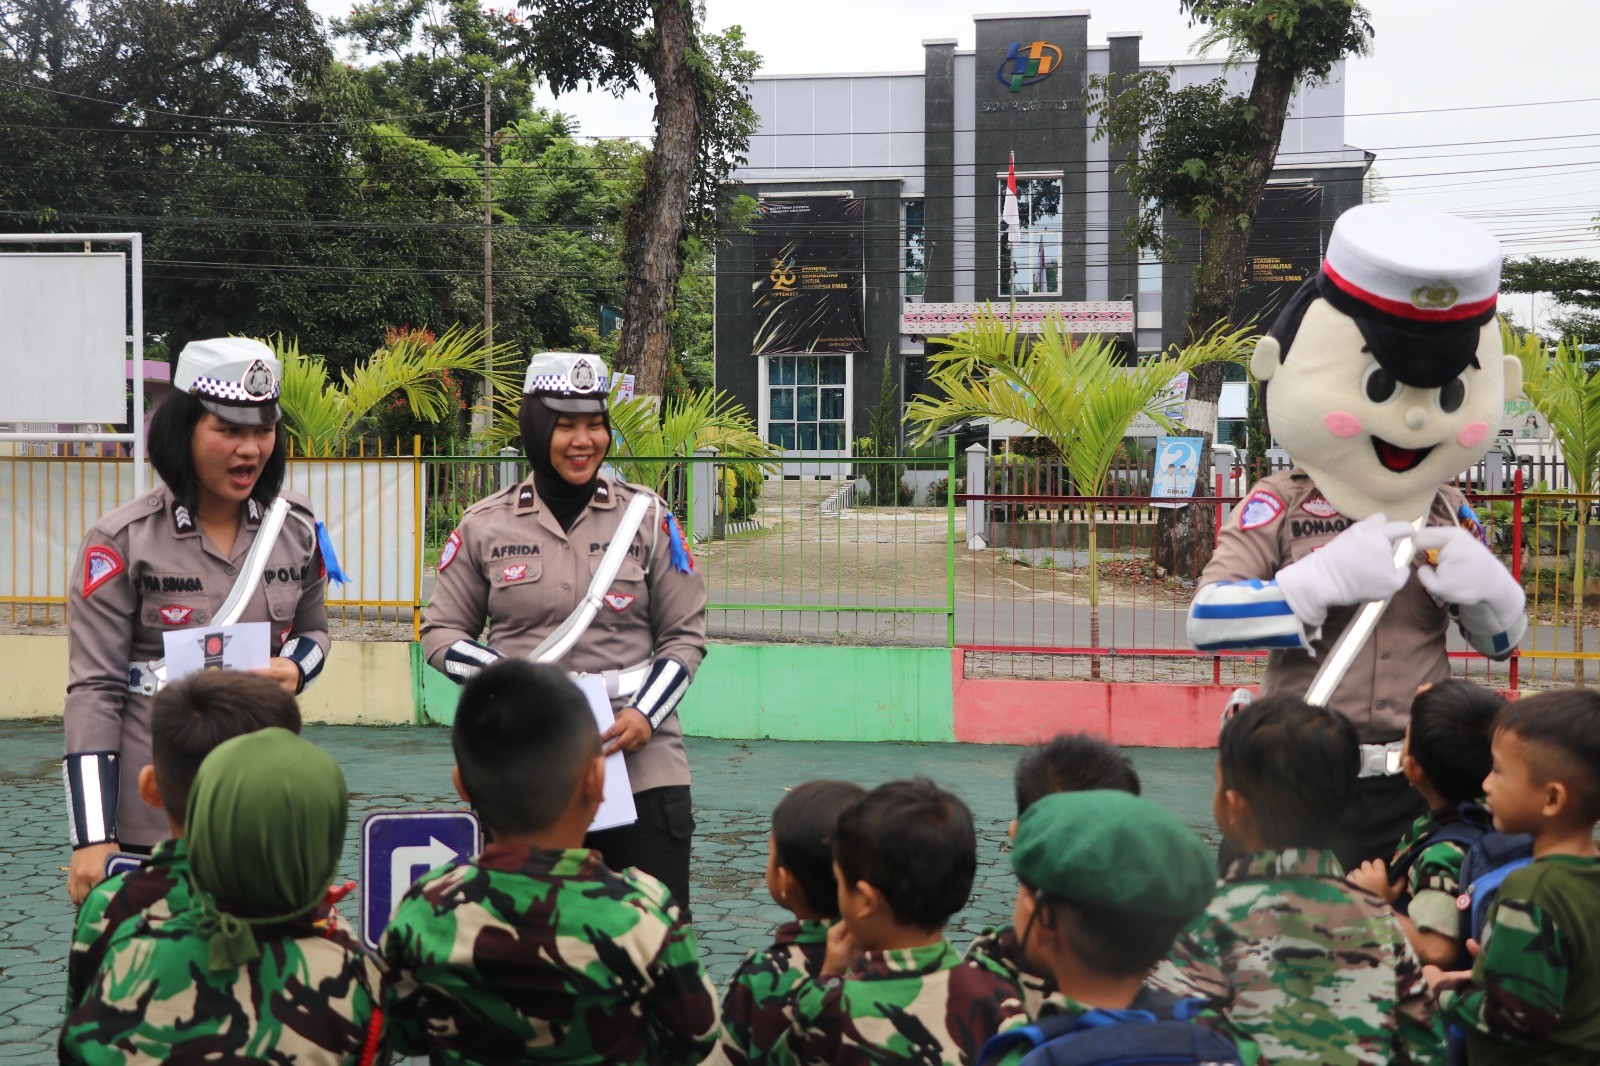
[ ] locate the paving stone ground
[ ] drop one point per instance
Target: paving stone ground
(737, 783)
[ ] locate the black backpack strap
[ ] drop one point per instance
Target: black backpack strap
(1471, 823)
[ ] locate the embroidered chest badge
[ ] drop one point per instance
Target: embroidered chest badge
(452, 545)
(100, 564)
(1262, 507)
(514, 573)
(1319, 507)
(618, 601)
(176, 616)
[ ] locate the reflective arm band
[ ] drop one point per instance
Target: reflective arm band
(668, 681)
(307, 654)
(465, 658)
(1243, 614)
(1494, 645)
(92, 779)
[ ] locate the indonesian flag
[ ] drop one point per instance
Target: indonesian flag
(1008, 208)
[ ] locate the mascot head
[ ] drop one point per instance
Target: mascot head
(1386, 370)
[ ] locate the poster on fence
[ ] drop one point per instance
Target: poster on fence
(1177, 466)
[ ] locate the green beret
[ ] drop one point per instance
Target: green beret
(1113, 850)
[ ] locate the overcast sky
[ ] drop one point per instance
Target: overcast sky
(1490, 110)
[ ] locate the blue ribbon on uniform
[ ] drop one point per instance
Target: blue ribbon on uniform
(330, 561)
(682, 562)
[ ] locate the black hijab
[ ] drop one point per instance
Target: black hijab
(565, 500)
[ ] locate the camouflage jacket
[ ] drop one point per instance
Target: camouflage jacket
(1057, 1005)
(1434, 880)
(545, 956)
(1306, 965)
(999, 946)
(753, 1015)
(165, 877)
(310, 999)
(1535, 995)
(917, 1005)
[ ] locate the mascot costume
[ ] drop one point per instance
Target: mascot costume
(1384, 378)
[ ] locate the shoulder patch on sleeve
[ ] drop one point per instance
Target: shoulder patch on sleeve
(101, 563)
(452, 545)
(1261, 508)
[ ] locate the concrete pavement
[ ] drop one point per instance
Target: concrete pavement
(736, 786)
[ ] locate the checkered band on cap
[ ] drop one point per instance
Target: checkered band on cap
(232, 391)
(567, 374)
(1414, 263)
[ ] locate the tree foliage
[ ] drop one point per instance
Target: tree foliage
(1574, 283)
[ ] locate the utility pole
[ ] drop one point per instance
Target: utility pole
(485, 416)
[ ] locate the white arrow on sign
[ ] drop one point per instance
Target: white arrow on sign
(435, 853)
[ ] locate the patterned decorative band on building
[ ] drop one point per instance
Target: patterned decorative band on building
(1098, 316)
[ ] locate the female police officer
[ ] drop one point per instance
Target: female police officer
(169, 561)
(523, 559)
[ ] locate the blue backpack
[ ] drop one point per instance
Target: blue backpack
(1155, 1029)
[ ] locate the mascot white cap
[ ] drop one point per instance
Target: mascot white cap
(1384, 376)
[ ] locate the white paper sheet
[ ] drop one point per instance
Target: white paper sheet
(244, 647)
(617, 808)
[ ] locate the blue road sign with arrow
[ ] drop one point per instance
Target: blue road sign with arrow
(397, 847)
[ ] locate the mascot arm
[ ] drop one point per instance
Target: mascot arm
(1464, 575)
(1244, 614)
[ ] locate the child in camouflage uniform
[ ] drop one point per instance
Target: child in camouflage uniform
(892, 988)
(1304, 964)
(1533, 996)
(1105, 881)
(534, 951)
(188, 719)
(246, 974)
(800, 880)
(1445, 759)
(1070, 762)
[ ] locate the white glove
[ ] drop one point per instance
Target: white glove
(1487, 598)
(1356, 566)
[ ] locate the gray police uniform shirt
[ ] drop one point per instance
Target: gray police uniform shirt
(509, 563)
(145, 570)
(1406, 650)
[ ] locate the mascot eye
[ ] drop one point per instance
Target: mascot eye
(1378, 385)
(1451, 395)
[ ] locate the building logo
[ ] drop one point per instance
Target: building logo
(1027, 65)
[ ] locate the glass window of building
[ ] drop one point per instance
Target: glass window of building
(806, 402)
(913, 254)
(1030, 259)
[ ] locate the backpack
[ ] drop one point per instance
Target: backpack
(1155, 1029)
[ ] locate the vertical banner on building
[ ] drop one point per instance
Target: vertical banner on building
(1285, 249)
(809, 291)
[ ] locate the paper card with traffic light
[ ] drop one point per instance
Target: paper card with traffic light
(242, 646)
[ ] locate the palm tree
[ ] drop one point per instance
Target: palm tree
(649, 442)
(321, 415)
(1559, 383)
(1078, 395)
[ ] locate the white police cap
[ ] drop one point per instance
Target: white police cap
(569, 382)
(1414, 262)
(235, 378)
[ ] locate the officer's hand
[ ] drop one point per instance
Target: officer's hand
(629, 733)
(285, 672)
(1356, 566)
(87, 870)
(1466, 573)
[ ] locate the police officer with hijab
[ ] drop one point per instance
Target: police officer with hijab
(521, 562)
(169, 561)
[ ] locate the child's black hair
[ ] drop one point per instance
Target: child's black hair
(1072, 762)
(1109, 942)
(169, 437)
(1563, 729)
(1297, 766)
(1450, 737)
(802, 832)
(194, 714)
(523, 737)
(913, 842)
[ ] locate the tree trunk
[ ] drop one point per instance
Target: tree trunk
(657, 221)
(1186, 535)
